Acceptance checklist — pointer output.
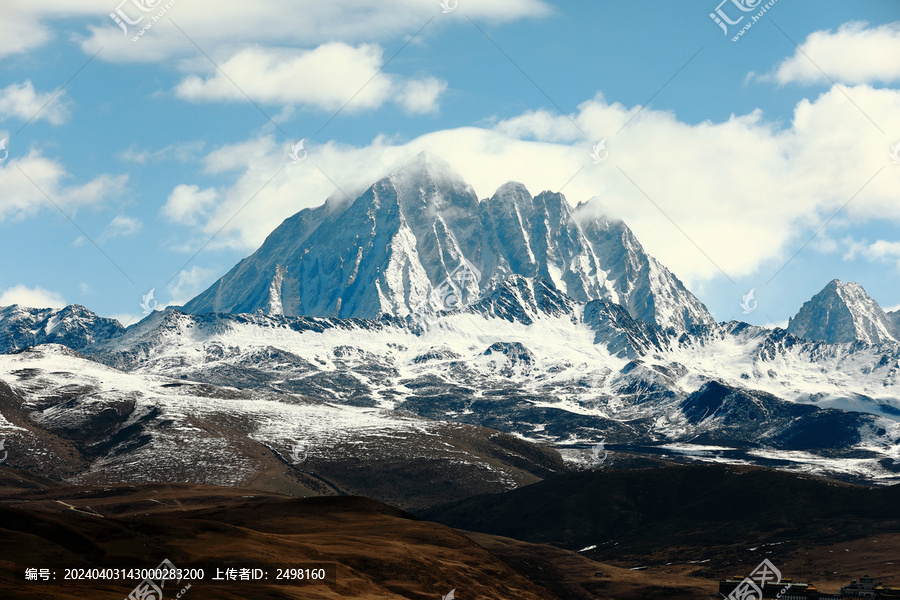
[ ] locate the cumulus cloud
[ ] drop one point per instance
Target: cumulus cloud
(186, 203)
(24, 180)
(326, 78)
(36, 297)
(743, 190)
(854, 54)
(320, 56)
(23, 102)
(880, 250)
(421, 96)
(20, 29)
(214, 25)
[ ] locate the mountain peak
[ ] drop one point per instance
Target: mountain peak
(842, 313)
(511, 189)
(425, 166)
(74, 326)
(399, 243)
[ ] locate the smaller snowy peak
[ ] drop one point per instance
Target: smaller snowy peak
(843, 313)
(74, 326)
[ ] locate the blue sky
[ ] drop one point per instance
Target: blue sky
(138, 165)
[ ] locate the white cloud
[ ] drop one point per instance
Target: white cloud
(187, 202)
(326, 78)
(26, 25)
(743, 190)
(121, 226)
(880, 250)
(22, 102)
(20, 27)
(421, 96)
(24, 180)
(855, 53)
(36, 297)
(188, 284)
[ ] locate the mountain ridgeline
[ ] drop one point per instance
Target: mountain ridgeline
(387, 251)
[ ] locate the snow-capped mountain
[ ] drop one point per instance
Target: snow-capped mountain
(73, 326)
(391, 250)
(564, 332)
(844, 312)
(528, 360)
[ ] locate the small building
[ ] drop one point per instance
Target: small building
(786, 589)
(867, 587)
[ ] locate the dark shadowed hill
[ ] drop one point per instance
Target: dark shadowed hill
(679, 513)
(377, 551)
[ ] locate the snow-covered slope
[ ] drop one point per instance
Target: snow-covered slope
(388, 252)
(843, 312)
(529, 360)
(70, 418)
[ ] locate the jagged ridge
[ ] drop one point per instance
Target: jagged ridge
(391, 250)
